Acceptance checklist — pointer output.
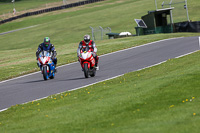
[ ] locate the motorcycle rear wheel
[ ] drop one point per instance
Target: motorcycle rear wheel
(86, 70)
(52, 77)
(93, 72)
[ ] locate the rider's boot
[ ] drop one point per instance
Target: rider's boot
(38, 64)
(96, 64)
(39, 67)
(55, 63)
(55, 69)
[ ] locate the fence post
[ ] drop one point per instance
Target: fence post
(109, 29)
(64, 2)
(156, 4)
(172, 21)
(92, 33)
(3, 16)
(187, 11)
(163, 4)
(101, 32)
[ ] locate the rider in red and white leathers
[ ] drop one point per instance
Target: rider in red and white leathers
(92, 46)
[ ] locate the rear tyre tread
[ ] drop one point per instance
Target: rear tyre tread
(93, 73)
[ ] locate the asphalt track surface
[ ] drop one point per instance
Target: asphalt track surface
(69, 77)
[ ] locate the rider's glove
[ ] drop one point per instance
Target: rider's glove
(37, 53)
(53, 58)
(94, 54)
(54, 53)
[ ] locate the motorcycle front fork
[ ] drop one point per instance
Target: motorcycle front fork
(41, 68)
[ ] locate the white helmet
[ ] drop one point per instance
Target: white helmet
(87, 39)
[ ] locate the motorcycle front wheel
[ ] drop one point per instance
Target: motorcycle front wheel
(45, 74)
(86, 70)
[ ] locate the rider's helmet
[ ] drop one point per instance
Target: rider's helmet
(46, 41)
(87, 39)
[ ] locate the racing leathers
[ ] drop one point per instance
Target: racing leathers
(50, 48)
(93, 48)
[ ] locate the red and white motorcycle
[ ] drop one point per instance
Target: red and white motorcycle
(87, 62)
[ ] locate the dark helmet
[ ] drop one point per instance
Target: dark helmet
(87, 39)
(46, 41)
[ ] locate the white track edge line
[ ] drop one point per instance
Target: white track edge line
(186, 54)
(140, 46)
(69, 90)
(32, 74)
(3, 110)
(3, 33)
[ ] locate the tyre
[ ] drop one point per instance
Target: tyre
(45, 74)
(86, 70)
(52, 77)
(93, 72)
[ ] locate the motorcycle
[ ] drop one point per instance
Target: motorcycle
(87, 62)
(46, 65)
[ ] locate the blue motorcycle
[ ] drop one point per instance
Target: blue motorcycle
(46, 65)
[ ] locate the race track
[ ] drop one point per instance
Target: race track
(31, 87)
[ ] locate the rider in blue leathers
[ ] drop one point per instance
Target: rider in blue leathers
(47, 46)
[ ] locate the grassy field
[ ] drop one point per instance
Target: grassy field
(163, 98)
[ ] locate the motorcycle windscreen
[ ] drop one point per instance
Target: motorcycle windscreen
(44, 56)
(86, 55)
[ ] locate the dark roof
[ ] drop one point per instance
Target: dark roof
(165, 10)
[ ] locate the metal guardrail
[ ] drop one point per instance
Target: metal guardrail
(49, 10)
(187, 26)
(99, 33)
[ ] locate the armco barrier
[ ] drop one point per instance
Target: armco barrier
(49, 10)
(187, 26)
